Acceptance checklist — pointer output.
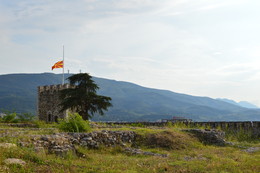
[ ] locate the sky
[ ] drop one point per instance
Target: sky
(202, 48)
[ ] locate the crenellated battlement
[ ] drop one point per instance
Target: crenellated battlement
(49, 108)
(53, 87)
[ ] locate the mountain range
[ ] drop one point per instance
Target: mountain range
(131, 102)
(241, 103)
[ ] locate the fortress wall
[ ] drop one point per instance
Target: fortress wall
(48, 103)
(253, 126)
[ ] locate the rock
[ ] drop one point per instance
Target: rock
(123, 145)
(87, 139)
(7, 145)
(23, 144)
(15, 161)
(252, 149)
(44, 138)
(39, 149)
(62, 142)
(207, 136)
(189, 158)
(135, 151)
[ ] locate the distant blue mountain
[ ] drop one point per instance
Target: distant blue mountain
(244, 104)
(131, 102)
(248, 105)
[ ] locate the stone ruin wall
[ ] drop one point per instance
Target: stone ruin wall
(61, 143)
(48, 103)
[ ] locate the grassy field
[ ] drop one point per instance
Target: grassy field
(185, 154)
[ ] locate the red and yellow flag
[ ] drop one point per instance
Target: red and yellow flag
(57, 65)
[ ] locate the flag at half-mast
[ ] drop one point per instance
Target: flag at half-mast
(57, 65)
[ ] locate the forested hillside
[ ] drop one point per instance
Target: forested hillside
(131, 102)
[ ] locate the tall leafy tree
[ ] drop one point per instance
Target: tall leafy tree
(82, 97)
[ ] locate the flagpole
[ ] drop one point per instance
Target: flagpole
(63, 68)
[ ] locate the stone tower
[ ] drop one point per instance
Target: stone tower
(48, 103)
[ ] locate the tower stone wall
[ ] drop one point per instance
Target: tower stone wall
(48, 103)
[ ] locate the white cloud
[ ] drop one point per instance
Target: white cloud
(195, 47)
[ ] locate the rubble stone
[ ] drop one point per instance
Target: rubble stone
(252, 149)
(207, 136)
(7, 145)
(135, 151)
(11, 161)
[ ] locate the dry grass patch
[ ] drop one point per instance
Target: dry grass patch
(170, 140)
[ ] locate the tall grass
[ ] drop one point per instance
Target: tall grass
(185, 125)
(241, 135)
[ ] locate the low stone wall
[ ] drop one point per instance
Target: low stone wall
(104, 137)
(62, 142)
(212, 137)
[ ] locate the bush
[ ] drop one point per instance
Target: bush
(26, 117)
(10, 118)
(13, 117)
(74, 123)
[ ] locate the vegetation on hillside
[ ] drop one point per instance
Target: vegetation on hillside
(130, 102)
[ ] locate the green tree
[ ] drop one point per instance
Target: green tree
(82, 97)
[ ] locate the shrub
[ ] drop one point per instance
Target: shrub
(26, 117)
(13, 117)
(74, 123)
(9, 118)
